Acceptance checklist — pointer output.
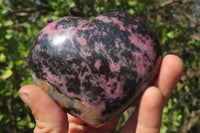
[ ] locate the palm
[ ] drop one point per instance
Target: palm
(147, 117)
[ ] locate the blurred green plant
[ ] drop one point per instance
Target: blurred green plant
(176, 24)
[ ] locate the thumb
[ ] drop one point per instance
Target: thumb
(48, 115)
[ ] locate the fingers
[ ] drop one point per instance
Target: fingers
(150, 111)
(170, 72)
(148, 117)
(48, 115)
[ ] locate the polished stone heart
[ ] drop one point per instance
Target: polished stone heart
(95, 68)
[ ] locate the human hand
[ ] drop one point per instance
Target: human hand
(147, 118)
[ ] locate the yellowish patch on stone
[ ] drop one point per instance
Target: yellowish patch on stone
(78, 108)
(90, 113)
(63, 104)
(83, 116)
(93, 114)
(44, 86)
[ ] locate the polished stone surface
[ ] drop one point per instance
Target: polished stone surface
(95, 68)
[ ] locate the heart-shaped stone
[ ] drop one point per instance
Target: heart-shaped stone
(95, 68)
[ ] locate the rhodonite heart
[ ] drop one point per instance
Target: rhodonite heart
(95, 68)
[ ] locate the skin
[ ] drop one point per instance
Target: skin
(147, 118)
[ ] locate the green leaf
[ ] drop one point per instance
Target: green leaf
(7, 74)
(175, 123)
(31, 124)
(171, 34)
(131, 11)
(27, 25)
(4, 12)
(179, 117)
(132, 2)
(184, 25)
(9, 31)
(72, 4)
(1, 117)
(163, 129)
(8, 36)
(10, 65)
(117, 2)
(28, 81)
(2, 57)
(8, 23)
(141, 7)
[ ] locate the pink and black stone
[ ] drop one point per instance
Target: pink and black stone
(95, 68)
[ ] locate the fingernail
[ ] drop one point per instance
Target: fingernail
(26, 100)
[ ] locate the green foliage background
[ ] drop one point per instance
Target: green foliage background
(176, 23)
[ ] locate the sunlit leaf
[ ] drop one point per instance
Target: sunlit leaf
(132, 2)
(131, 11)
(27, 25)
(171, 34)
(4, 12)
(8, 36)
(1, 117)
(117, 2)
(2, 57)
(8, 23)
(31, 124)
(7, 74)
(28, 81)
